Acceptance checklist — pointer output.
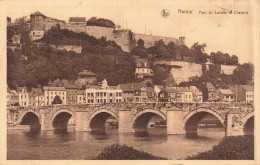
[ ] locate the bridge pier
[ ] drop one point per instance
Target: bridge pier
(175, 125)
(125, 121)
(234, 127)
(81, 121)
(46, 122)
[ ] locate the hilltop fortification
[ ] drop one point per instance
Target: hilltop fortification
(125, 38)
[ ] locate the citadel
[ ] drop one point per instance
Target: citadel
(125, 38)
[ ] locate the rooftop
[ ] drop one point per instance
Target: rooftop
(226, 92)
(248, 87)
(131, 86)
(86, 73)
(48, 88)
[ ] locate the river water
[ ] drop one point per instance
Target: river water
(53, 145)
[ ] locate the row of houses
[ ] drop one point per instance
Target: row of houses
(128, 93)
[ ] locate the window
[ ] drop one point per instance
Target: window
(88, 94)
(111, 94)
(105, 94)
(120, 94)
(111, 100)
(97, 94)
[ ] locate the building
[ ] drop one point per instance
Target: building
(226, 95)
(86, 77)
(51, 92)
(40, 23)
(36, 97)
(12, 98)
(142, 69)
(179, 94)
(172, 94)
(76, 24)
(151, 94)
(23, 96)
(103, 94)
(212, 92)
(81, 97)
(197, 94)
(243, 93)
(71, 94)
(133, 92)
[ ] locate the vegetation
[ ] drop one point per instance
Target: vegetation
(100, 22)
(123, 152)
(171, 51)
(57, 100)
(33, 65)
(230, 148)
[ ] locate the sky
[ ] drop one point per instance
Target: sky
(228, 33)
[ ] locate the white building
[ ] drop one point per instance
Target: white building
(103, 94)
(23, 96)
(51, 92)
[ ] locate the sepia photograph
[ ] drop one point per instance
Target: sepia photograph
(129, 80)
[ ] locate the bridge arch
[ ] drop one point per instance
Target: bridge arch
(60, 118)
(142, 118)
(192, 119)
(248, 127)
(98, 119)
(31, 115)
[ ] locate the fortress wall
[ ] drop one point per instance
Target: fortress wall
(185, 71)
(123, 38)
(182, 70)
(228, 69)
(149, 40)
(98, 32)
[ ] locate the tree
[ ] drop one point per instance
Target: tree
(199, 52)
(57, 100)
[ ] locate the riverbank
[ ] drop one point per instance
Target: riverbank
(229, 148)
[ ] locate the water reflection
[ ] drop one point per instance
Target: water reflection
(83, 145)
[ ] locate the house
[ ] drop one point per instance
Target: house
(226, 95)
(50, 93)
(133, 92)
(86, 77)
(71, 93)
(151, 94)
(23, 96)
(81, 97)
(197, 94)
(243, 93)
(36, 97)
(12, 97)
(212, 92)
(172, 94)
(103, 94)
(162, 96)
(142, 70)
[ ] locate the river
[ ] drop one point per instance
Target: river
(72, 145)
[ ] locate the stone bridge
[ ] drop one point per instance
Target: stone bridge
(181, 118)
